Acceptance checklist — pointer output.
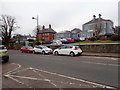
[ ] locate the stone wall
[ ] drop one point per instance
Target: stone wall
(96, 48)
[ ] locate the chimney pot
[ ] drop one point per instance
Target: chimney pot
(43, 27)
(100, 15)
(49, 26)
(94, 17)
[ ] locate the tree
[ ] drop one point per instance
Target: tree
(7, 26)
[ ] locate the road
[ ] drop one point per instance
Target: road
(102, 70)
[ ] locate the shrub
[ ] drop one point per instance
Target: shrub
(93, 38)
(115, 37)
(98, 37)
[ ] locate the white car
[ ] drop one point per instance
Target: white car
(68, 50)
(42, 49)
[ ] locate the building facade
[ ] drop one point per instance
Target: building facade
(46, 34)
(76, 33)
(64, 34)
(97, 26)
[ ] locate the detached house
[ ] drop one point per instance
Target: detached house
(76, 33)
(46, 34)
(97, 26)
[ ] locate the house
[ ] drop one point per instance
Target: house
(22, 38)
(117, 30)
(76, 33)
(97, 26)
(46, 34)
(63, 34)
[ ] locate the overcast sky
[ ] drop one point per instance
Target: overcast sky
(61, 14)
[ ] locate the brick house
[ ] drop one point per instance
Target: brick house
(46, 34)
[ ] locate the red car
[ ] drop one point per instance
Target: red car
(26, 49)
(71, 40)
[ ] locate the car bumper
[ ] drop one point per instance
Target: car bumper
(48, 52)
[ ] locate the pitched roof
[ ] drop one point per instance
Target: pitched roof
(76, 29)
(47, 30)
(96, 20)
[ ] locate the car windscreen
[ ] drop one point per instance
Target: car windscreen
(77, 47)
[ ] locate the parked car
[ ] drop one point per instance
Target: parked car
(4, 54)
(27, 49)
(70, 40)
(42, 49)
(68, 50)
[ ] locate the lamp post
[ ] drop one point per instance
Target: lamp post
(37, 22)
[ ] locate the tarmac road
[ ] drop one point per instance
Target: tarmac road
(103, 70)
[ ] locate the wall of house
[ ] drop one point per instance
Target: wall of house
(96, 48)
(46, 36)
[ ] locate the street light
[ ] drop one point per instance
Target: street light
(37, 23)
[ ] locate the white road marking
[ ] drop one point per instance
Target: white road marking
(103, 86)
(19, 66)
(9, 75)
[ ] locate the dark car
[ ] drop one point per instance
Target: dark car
(4, 54)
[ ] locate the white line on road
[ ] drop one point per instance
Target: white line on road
(103, 86)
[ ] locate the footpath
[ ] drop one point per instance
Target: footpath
(15, 76)
(114, 55)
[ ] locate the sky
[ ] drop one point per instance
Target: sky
(61, 14)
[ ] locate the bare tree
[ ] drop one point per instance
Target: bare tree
(7, 26)
(98, 28)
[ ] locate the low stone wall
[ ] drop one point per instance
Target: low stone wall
(95, 48)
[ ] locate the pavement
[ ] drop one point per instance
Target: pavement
(16, 76)
(115, 55)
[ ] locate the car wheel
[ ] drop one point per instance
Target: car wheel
(43, 52)
(72, 54)
(34, 52)
(56, 53)
(79, 54)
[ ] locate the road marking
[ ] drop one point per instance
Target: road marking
(85, 81)
(9, 75)
(19, 66)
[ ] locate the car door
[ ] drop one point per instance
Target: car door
(62, 50)
(40, 49)
(67, 50)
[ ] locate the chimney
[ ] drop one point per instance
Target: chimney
(94, 17)
(100, 16)
(43, 27)
(49, 26)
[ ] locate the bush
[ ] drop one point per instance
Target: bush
(98, 37)
(115, 37)
(93, 38)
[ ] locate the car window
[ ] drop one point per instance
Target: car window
(68, 47)
(30, 47)
(76, 46)
(2, 47)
